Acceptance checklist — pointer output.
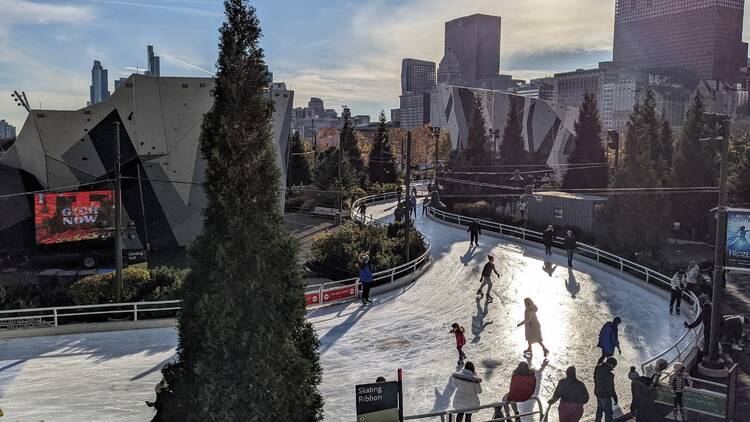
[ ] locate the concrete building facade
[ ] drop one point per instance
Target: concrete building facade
(160, 125)
(7, 131)
(415, 109)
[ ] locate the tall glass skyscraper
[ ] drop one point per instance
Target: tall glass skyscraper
(99, 89)
(417, 76)
(472, 45)
(153, 62)
(683, 39)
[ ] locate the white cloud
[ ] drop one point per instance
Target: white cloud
(24, 11)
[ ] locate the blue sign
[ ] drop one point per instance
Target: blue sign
(738, 238)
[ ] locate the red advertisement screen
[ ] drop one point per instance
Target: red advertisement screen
(73, 216)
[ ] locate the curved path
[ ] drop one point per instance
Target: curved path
(408, 328)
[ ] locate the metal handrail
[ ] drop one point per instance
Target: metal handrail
(59, 311)
(601, 256)
(449, 413)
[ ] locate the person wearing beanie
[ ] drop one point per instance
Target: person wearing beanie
(604, 389)
(633, 374)
(573, 395)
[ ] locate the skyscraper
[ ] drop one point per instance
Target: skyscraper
(417, 76)
(316, 107)
(472, 46)
(154, 67)
(99, 89)
(7, 131)
(684, 39)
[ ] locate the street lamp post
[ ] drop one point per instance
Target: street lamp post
(712, 364)
(118, 217)
(407, 204)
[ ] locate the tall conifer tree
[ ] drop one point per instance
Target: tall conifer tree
(299, 166)
(245, 351)
(512, 149)
(588, 150)
(382, 164)
(348, 142)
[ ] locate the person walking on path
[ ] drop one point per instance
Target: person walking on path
(365, 277)
(475, 229)
(458, 331)
(549, 239)
(678, 286)
(677, 382)
(532, 327)
(604, 389)
(363, 210)
(573, 395)
(570, 246)
(704, 317)
(468, 388)
(487, 271)
(609, 339)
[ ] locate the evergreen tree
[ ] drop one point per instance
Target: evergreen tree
(739, 182)
(475, 151)
(512, 148)
(348, 141)
(694, 164)
(588, 148)
(245, 351)
(299, 166)
(666, 140)
(635, 225)
(382, 165)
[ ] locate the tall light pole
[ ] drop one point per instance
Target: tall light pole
(118, 217)
(407, 182)
(712, 364)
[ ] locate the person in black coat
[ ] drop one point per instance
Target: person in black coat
(549, 238)
(604, 389)
(703, 318)
(572, 394)
(570, 246)
(475, 229)
(644, 396)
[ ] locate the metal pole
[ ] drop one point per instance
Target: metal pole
(118, 217)
(719, 252)
(407, 181)
(143, 214)
(341, 139)
(437, 157)
(315, 141)
(400, 395)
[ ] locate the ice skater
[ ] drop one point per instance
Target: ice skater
(475, 229)
(365, 277)
(487, 271)
(458, 331)
(609, 339)
(533, 328)
(679, 283)
(573, 395)
(549, 238)
(363, 209)
(604, 389)
(570, 246)
(468, 388)
(679, 380)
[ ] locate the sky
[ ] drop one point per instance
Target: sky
(347, 52)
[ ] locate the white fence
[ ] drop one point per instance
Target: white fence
(35, 317)
(687, 342)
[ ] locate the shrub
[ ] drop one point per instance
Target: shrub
(100, 288)
(474, 209)
(165, 284)
(377, 188)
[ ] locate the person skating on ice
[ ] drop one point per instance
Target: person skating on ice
(604, 389)
(533, 329)
(549, 238)
(487, 271)
(468, 388)
(475, 229)
(570, 246)
(678, 285)
(609, 339)
(573, 395)
(458, 331)
(365, 277)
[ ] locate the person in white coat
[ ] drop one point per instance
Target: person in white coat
(468, 388)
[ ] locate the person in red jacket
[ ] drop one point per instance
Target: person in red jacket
(458, 331)
(523, 385)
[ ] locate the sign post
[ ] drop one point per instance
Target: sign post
(379, 402)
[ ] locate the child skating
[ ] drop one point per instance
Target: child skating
(487, 271)
(679, 380)
(458, 331)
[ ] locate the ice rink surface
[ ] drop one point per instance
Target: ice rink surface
(408, 328)
(107, 376)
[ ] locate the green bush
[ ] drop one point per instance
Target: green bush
(477, 209)
(162, 283)
(377, 188)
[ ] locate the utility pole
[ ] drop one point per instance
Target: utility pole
(341, 141)
(407, 221)
(713, 361)
(436, 134)
(118, 218)
(315, 142)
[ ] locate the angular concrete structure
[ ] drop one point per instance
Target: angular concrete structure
(161, 121)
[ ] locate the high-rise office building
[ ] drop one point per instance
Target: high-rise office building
(99, 89)
(414, 110)
(7, 131)
(315, 107)
(154, 66)
(119, 82)
(686, 40)
(472, 48)
(417, 76)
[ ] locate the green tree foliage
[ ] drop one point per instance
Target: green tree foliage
(299, 166)
(694, 164)
(666, 141)
(348, 141)
(635, 225)
(588, 148)
(245, 351)
(512, 148)
(326, 176)
(739, 182)
(381, 163)
(474, 151)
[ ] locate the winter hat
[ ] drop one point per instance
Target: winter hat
(678, 366)
(571, 372)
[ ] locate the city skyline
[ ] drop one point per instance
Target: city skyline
(355, 62)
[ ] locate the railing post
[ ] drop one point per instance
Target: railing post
(393, 273)
(54, 314)
(647, 275)
(597, 255)
(135, 312)
(622, 267)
